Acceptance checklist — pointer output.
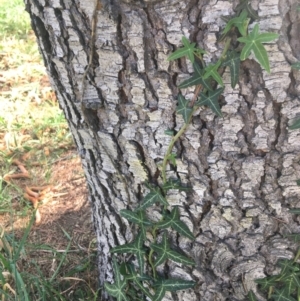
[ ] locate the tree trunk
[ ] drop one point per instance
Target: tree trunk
(242, 168)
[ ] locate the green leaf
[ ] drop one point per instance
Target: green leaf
(152, 197)
(211, 101)
(114, 291)
(136, 218)
(188, 50)
(295, 278)
(169, 219)
(136, 247)
(294, 237)
(282, 296)
(295, 210)
(123, 269)
(251, 296)
(169, 132)
(126, 248)
(164, 252)
(174, 284)
(246, 5)
(266, 282)
(184, 109)
(296, 66)
(175, 184)
(175, 256)
(233, 61)
(241, 22)
(117, 289)
(290, 284)
(159, 293)
(172, 220)
(212, 71)
(288, 266)
(183, 229)
(253, 42)
(134, 277)
(196, 79)
(172, 159)
(137, 280)
(295, 125)
(139, 243)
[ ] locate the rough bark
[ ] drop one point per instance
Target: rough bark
(242, 168)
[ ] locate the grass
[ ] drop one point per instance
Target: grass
(19, 284)
(58, 261)
(13, 20)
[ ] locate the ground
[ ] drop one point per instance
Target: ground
(58, 258)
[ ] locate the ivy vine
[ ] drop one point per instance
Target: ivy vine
(137, 278)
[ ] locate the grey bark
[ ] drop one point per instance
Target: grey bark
(242, 168)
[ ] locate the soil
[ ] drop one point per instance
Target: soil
(65, 217)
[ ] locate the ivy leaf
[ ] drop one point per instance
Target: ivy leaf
(152, 197)
(174, 284)
(266, 282)
(169, 219)
(296, 66)
(126, 248)
(251, 296)
(253, 42)
(134, 277)
(172, 220)
(139, 243)
(233, 61)
(117, 289)
(184, 109)
(196, 79)
(175, 184)
(159, 293)
(172, 159)
(136, 247)
(183, 229)
(211, 101)
(123, 269)
(187, 50)
(282, 296)
(295, 125)
(290, 283)
(245, 5)
(169, 132)
(294, 237)
(212, 71)
(295, 279)
(164, 252)
(287, 266)
(136, 218)
(295, 210)
(241, 22)
(177, 257)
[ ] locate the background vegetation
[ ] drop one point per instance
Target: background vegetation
(54, 259)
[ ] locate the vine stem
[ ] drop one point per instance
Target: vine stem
(297, 255)
(183, 129)
(151, 263)
(171, 145)
(226, 47)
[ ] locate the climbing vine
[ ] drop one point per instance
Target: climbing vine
(137, 277)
